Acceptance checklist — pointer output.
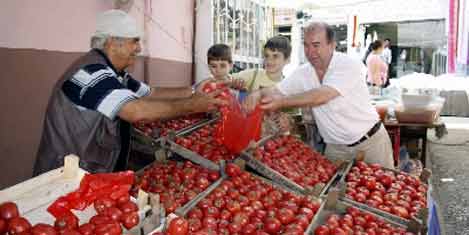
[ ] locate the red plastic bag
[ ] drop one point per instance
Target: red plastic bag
(93, 186)
(239, 129)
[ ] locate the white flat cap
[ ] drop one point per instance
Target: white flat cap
(116, 23)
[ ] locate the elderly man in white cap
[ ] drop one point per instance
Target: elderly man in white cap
(95, 100)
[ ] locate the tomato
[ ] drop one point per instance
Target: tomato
(69, 232)
(194, 224)
(130, 220)
(123, 199)
(113, 213)
(211, 211)
(233, 206)
(209, 87)
(100, 219)
(209, 222)
(346, 220)
(204, 203)
(337, 231)
(219, 203)
(127, 207)
(232, 170)
(18, 225)
(359, 220)
(286, 216)
(235, 228)
(307, 211)
(86, 229)
(371, 225)
(195, 213)
(370, 184)
(102, 203)
(69, 221)
(108, 229)
(214, 175)
(241, 219)
(302, 220)
(360, 197)
(257, 205)
(313, 205)
(249, 229)
(43, 229)
(293, 229)
(8, 210)
(202, 182)
(261, 214)
(322, 230)
(171, 206)
(386, 180)
(3, 226)
(384, 208)
(400, 211)
(369, 217)
(272, 225)
(178, 226)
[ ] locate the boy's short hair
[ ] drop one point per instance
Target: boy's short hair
(219, 52)
(279, 43)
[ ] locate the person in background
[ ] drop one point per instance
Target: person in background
(377, 68)
(387, 55)
(367, 53)
(333, 86)
(387, 58)
(93, 103)
(276, 55)
(220, 63)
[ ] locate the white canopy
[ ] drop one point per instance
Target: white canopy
(368, 11)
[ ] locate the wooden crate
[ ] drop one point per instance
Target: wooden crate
(33, 196)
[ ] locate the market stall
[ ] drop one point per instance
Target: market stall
(231, 198)
(211, 176)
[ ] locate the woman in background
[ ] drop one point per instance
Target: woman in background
(377, 68)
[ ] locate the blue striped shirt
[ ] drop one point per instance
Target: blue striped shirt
(98, 87)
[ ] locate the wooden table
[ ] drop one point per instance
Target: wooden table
(410, 130)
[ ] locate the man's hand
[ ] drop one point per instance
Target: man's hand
(250, 102)
(237, 84)
(201, 102)
(270, 103)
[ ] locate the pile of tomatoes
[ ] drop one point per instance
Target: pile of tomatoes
(176, 183)
(204, 142)
(296, 161)
(111, 215)
(223, 89)
(398, 193)
(357, 222)
(244, 204)
(164, 127)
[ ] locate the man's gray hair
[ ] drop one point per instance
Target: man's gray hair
(313, 26)
(98, 42)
